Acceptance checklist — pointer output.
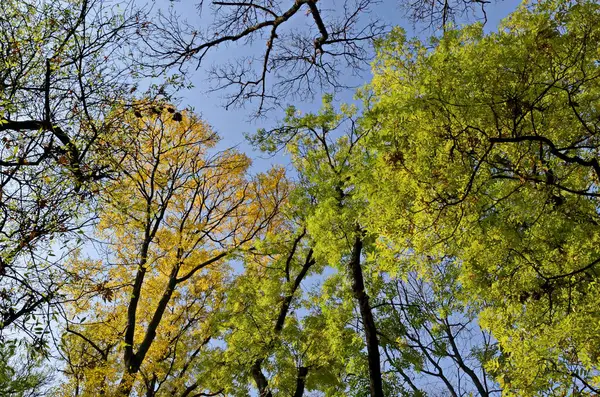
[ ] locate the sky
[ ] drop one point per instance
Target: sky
(233, 123)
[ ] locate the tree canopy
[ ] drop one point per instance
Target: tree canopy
(439, 236)
(487, 146)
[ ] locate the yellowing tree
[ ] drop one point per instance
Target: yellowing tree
(145, 313)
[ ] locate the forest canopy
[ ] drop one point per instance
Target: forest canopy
(439, 236)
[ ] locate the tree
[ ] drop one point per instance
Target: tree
(430, 336)
(327, 164)
(438, 14)
(298, 59)
(427, 339)
(142, 317)
(267, 341)
(20, 373)
(59, 80)
(486, 151)
(294, 63)
(292, 332)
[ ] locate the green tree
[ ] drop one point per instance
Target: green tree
(276, 333)
(430, 336)
(486, 150)
(327, 160)
(424, 333)
(20, 372)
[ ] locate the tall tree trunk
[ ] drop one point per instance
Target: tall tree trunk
(358, 289)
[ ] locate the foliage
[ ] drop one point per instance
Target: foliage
(328, 165)
(280, 335)
(422, 328)
(63, 68)
(442, 241)
(143, 315)
(20, 373)
(487, 152)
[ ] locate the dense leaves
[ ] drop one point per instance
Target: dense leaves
(20, 375)
(488, 146)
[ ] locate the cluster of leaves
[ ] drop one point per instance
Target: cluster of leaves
(487, 152)
(20, 375)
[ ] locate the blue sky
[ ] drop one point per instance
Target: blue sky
(233, 123)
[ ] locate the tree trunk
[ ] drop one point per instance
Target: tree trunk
(358, 289)
(301, 381)
(259, 377)
(261, 381)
